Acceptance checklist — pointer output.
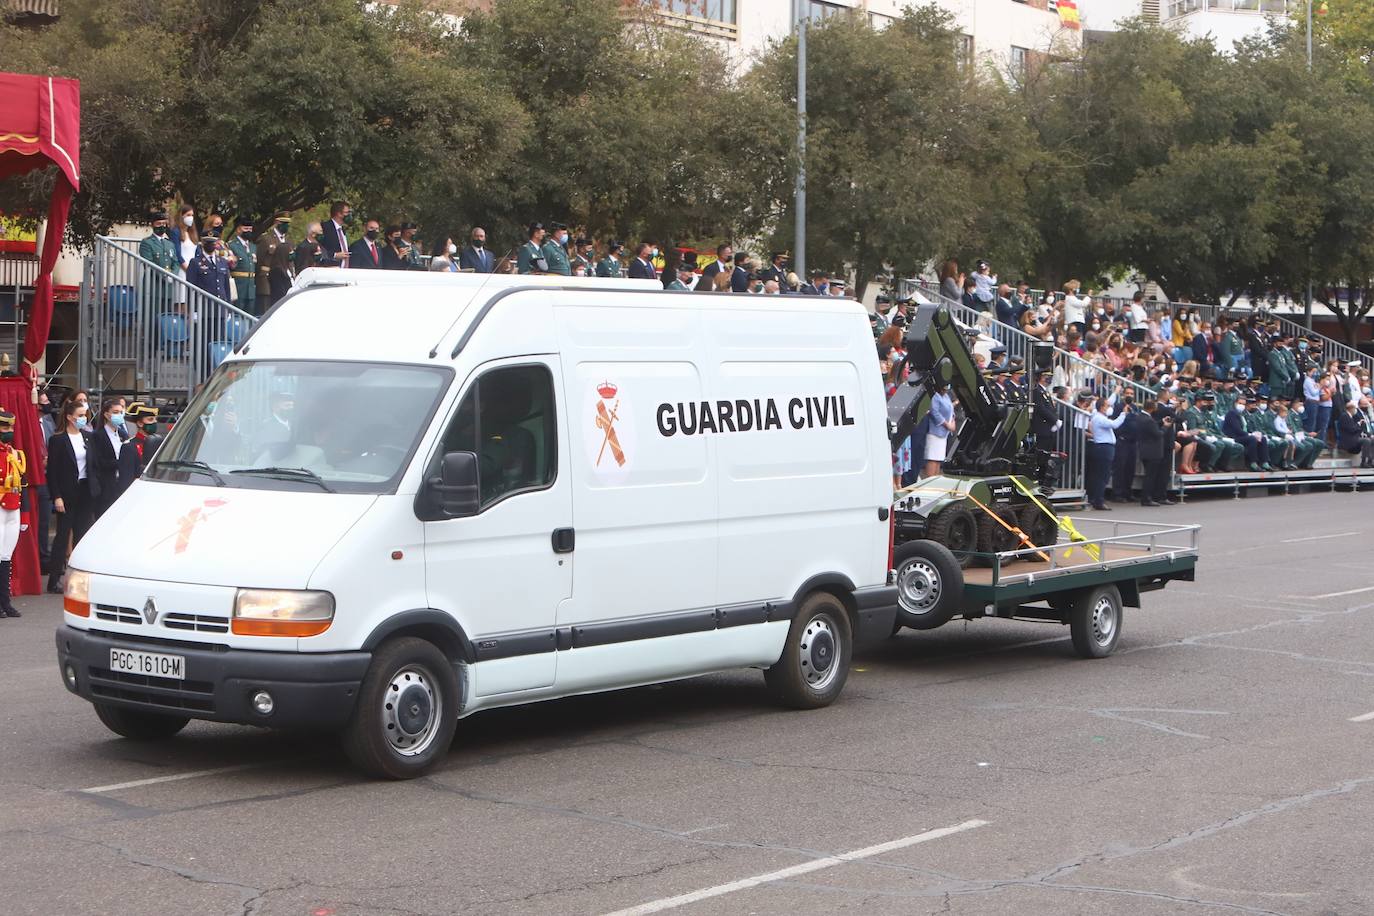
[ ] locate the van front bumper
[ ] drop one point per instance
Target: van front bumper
(308, 690)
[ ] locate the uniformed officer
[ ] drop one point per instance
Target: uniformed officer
(585, 254)
(1279, 446)
(1191, 430)
(1283, 369)
(997, 381)
(245, 269)
(530, 258)
(609, 266)
(1226, 449)
(685, 279)
(146, 437)
(274, 261)
(208, 271)
(1016, 381)
(13, 507)
(159, 250)
(1044, 412)
(555, 251)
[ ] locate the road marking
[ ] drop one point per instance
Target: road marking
(175, 777)
(668, 903)
(1318, 537)
(1367, 717)
(1350, 591)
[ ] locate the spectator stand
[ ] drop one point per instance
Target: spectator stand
(148, 330)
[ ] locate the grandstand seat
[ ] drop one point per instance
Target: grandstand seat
(236, 328)
(219, 351)
(174, 332)
(123, 304)
(1182, 355)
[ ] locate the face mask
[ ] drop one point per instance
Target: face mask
(244, 232)
(188, 220)
(452, 249)
(80, 422)
(348, 219)
(478, 243)
(372, 233)
(1096, 326)
(561, 238)
(210, 408)
(209, 245)
(216, 230)
(149, 429)
(7, 437)
(159, 230)
(653, 252)
(282, 227)
(117, 419)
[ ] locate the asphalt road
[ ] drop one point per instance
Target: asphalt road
(1213, 763)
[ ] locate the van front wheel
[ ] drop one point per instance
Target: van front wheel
(406, 713)
(815, 661)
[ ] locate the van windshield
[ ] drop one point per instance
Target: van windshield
(342, 427)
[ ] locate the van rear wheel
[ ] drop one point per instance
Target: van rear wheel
(139, 725)
(815, 661)
(407, 711)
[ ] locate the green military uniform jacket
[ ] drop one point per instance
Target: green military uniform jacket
(244, 273)
(586, 263)
(609, 266)
(678, 286)
(557, 258)
(527, 255)
(161, 251)
(1280, 376)
(1225, 401)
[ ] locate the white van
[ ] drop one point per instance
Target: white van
(410, 497)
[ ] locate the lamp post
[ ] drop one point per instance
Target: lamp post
(799, 203)
(1307, 309)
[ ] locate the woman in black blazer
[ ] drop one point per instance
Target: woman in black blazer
(69, 486)
(114, 463)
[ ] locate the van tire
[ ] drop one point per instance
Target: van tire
(815, 661)
(137, 724)
(1095, 621)
(401, 740)
(930, 584)
(955, 527)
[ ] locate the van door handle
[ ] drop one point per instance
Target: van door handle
(564, 539)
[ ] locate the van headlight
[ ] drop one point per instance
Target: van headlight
(77, 597)
(281, 612)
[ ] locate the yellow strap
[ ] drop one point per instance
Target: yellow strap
(1065, 524)
(1012, 528)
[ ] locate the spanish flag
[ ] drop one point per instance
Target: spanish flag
(1068, 14)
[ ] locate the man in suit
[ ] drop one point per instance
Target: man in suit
(334, 240)
(274, 261)
(474, 256)
(609, 266)
(208, 270)
(396, 252)
(412, 247)
(724, 263)
(530, 258)
(556, 251)
(365, 253)
(642, 267)
(819, 285)
(158, 249)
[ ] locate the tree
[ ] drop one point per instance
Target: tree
(254, 107)
(907, 157)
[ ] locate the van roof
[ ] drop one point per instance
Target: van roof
(395, 316)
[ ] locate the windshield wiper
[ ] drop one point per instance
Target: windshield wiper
(187, 464)
(287, 474)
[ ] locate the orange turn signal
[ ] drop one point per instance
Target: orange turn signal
(79, 608)
(247, 626)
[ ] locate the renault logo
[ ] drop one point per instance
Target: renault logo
(150, 610)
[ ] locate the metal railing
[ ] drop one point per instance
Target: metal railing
(1072, 439)
(137, 316)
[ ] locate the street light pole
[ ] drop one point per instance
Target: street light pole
(799, 204)
(1307, 310)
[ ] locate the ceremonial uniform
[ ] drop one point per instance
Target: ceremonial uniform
(1228, 450)
(209, 273)
(160, 251)
(530, 259)
(13, 511)
(274, 263)
(1281, 373)
(244, 273)
(1278, 445)
(1209, 448)
(609, 266)
(557, 258)
(677, 286)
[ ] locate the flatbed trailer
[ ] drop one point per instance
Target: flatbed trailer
(1082, 584)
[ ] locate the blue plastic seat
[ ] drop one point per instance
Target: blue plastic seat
(219, 351)
(1182, 355)
(175, 332)
(123, 304)
(236, 329)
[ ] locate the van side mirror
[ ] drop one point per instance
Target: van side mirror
(456, 487)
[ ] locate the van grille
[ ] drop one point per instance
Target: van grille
(199, 623)
(189, 696)
(116, 614)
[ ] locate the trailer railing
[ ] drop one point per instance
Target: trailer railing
(1143, 542)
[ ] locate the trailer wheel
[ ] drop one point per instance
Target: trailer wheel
(815, 661)
(1042, 530)
(1095, 621)
(955, 527)
(993, 537)
(930, 585)
(407, 711)
(139, 725)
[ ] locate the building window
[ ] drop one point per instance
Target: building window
(713, 10)
(1019, 61)
(963, 52)
(817, 10)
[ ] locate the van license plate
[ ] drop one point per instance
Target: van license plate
(150, 664)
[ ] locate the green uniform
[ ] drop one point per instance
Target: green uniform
(526, 257)
(158, 251)
(588, 268)
(1280, 376)
(1225, 401)
(1231, 348)
(1209, 448)
(1254, 423)
(609, 266)
(244, 273)
(557, 258)
(1278, 445)
(1228, 449)
(1308, 447)
(678, 286)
